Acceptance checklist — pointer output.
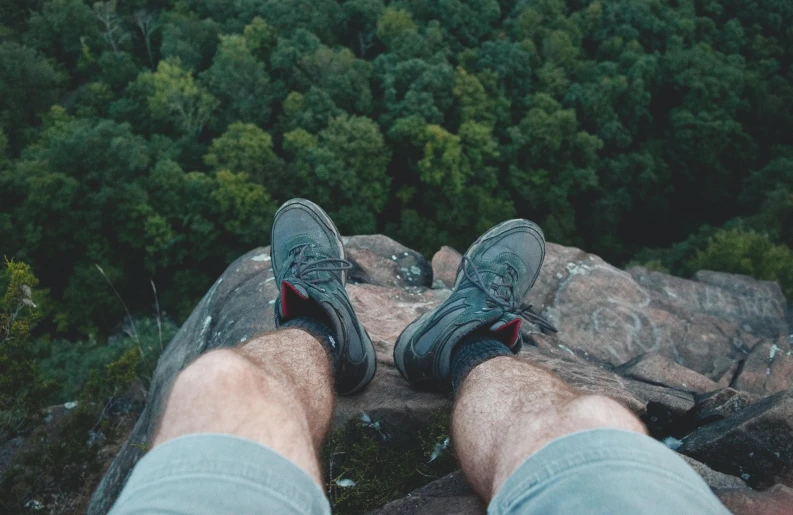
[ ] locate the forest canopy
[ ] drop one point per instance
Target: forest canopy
(155, 138)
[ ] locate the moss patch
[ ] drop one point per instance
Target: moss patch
(368, 463)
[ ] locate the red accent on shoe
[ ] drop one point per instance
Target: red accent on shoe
(514, 327)
(288, 292)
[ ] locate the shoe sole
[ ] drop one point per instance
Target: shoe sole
(371, 354)
(371, 365)
(493, 232)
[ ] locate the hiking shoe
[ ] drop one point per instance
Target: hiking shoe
(308, 263)
(493, 278)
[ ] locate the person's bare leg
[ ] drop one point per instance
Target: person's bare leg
(276, 390)
(507, 409)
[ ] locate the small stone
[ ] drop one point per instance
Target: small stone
(70, 405)
(445, 263)
(377, 260)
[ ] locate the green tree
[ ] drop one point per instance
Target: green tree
(340, 74)
(416, 87)
(551, 161)
(61, 29)
(111, 27)
(246, 209)
(472, 99)
(361, 18)
(189, 38)
(245, 148)
(28, 86)
(310, 111)
(321, 17)
(172, 95)
(394, 23)
(260, 37)
(468, 21)
(459, 193)
(343, 168)
(73, 186)
(240, 83)
(14, 14)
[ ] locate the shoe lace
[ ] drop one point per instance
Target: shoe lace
(504, 296)
(308, 262)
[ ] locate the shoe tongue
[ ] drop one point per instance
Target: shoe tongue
(296, 302)
(506, 329)
(293, 295)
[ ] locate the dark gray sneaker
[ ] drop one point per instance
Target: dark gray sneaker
(308, 262)
(495, 275)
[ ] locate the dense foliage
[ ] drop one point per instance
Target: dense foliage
(21, 387)
(51, 456)
(155, 138)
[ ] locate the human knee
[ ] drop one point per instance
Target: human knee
(591, 411)
(216, 370)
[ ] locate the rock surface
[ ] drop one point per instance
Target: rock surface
(381, 261)
(656, 369)
(777, 500)
(712, 407)
(767, 369)
(445, 496)
(715, 329)
(712, 478)
(755, 443)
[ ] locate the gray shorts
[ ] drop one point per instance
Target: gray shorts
(595, 471)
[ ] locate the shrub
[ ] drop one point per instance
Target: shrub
(746, 252)
(69, 364)
(21, 388)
